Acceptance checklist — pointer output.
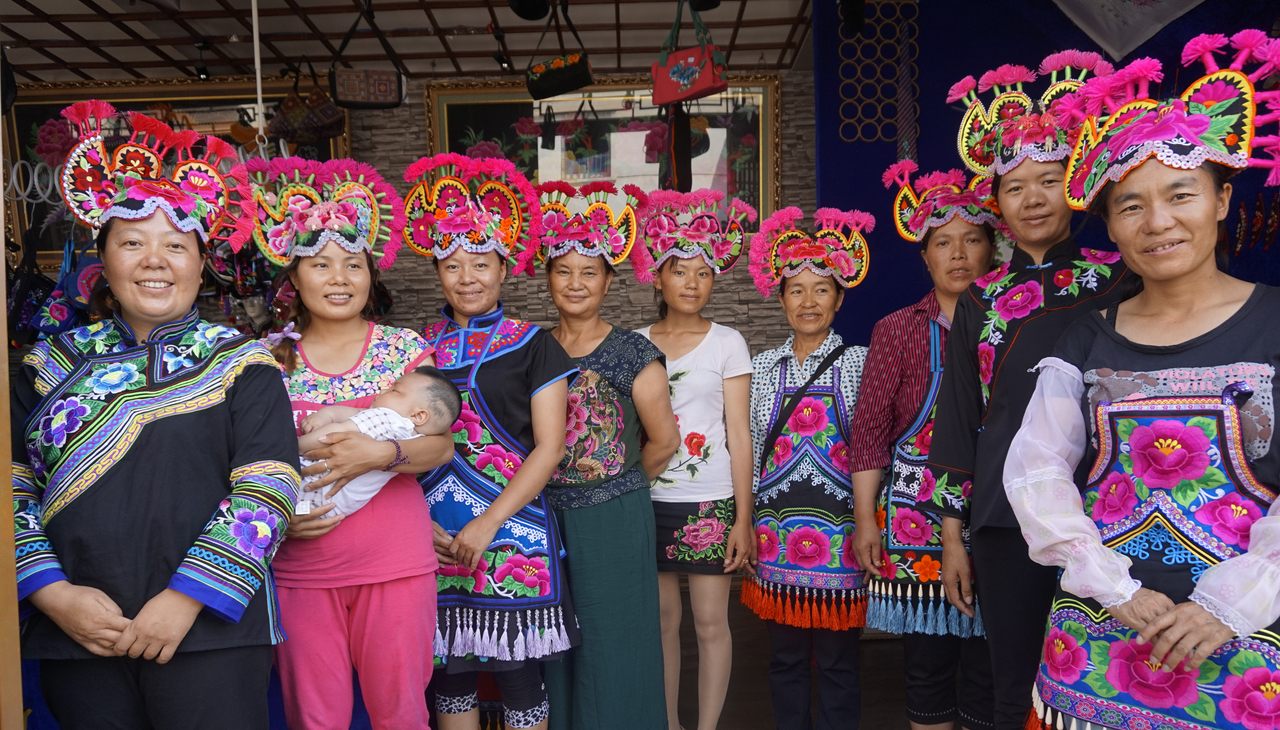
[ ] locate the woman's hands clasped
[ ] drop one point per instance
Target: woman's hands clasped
(95, 622)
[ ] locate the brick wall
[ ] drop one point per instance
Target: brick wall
(392, 140)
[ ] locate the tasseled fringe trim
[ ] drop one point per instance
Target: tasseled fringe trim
(906, 609)
(806, 608)
(1044, 717)
(509, 636)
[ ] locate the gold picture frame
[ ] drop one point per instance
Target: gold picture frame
(479, 101)
(38, 101)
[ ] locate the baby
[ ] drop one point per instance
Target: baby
(421, 403)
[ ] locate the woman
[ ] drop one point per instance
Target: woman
(504, 601)
(701, 500)
(1168, 604)
(613, 681)
(900, 546)
(1004, 324)
(154, 469)
(356, 592)
(808, 583)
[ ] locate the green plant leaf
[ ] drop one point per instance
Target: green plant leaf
(1141, 489)
(1209, 672)
(1203, 709)
(820, 439)
(1089, 501)
(1208, 425)
(1098, 681)
(1244, 661)
(1125, 427)
(1186, 493)
(1076, 630)
(693, 471)
(1126, 461)
(1213, 477)
(1098, 655)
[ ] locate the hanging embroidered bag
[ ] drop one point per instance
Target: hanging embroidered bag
(690, 73)
(310, 120)
(563, 74)
(28, 290)
(358, 88)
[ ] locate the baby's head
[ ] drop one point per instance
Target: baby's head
(426, 397)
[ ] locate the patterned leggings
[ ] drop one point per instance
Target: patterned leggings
(524, 696)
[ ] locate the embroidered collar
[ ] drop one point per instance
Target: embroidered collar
(787, 353)
(166, 331)
(478, 322)
(1062, 251)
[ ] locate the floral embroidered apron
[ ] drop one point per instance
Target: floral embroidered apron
(908, 598)
(807, 574)
(1174, 519)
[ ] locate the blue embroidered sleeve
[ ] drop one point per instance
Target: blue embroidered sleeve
(37, 564)
(231, 559)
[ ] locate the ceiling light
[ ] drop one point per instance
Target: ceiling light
(202, 71)
(502, 60)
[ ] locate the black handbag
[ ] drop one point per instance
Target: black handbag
(562, 74)
(356, 88)
(28, 290)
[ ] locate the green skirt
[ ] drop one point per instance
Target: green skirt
(613, 679)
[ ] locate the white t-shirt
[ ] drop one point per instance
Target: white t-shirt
(382, 424)
(700, 470)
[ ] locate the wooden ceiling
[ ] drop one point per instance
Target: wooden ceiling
(69, 40)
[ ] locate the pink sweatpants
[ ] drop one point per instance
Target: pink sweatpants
(382, 630)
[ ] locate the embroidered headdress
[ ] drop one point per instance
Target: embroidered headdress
(703, 234)
(997, 138)
(780, 249)
(295, 207)
(476, 204)
(935, 199)
(1215, 119)
(597, 231)
(130, 181)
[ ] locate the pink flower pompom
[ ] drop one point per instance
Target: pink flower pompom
(1201, 48)
(599, 186)
(1148, 69)
(739, 209)
(1068, 110)
(1054, 62)
(1097, 93)
(938, 179)
(557, 186)
(961, 89)
(986, 81)
(831, 218)
(901, 170)
(1010, 74)
(760, 246)
(1248, 42)
(862, 222)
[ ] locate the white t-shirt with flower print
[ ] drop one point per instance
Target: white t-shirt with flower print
(700, 470)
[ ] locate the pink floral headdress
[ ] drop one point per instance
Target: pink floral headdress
(997, 138)
(1216, 118)
(593, 232)
(936, 198)
(476, 204)
(780, 249)
(130, 182)
(713, 230)
(295, 207)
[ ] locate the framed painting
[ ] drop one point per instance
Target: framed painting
(35, 134)
(611, 131)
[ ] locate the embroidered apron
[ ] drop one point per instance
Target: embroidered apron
(908, 598)
(807, 574)
(511, 607)
(1173, 523)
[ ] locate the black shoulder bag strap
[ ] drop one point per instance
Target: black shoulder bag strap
(366, 13)
(785, 414)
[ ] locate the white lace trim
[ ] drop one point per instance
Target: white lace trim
(1224, 613)
(1038, 476)
(1122, 594)
(526, 718)
(456, 705)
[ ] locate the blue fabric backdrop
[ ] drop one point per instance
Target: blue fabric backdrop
(957, 39)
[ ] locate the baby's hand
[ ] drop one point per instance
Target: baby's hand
(315, 420)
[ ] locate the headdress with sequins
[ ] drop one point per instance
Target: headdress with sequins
(935, 199)
(475, 204)
(1216, 118)
(296, 207)
(997, 138)
(697, 224)
(130, 182)
(596, 231)
(838, 249)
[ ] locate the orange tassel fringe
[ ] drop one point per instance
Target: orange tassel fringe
(806, 612)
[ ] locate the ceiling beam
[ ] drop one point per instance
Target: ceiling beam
(247, 24)
(800, 18)
(617, 21)
(185, 68)
(58, 62)
(63, 29)
(431, 18)
(742, 6)
(315, 32)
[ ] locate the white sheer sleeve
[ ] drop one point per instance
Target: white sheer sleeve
(1039, 480)
(1244, 592)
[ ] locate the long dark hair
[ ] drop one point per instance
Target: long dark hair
(286, 353)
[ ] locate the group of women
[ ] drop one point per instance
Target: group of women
(933, 485)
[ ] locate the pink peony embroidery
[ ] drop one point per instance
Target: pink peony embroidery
(924, 439)
(1133, 670)
(1254, 699)
(1214, 92)
(704, 533)
(840, 456)
(506, 462)
(782, 449)
(809, 418)
(808, 547)
(992, 276)
(928, 483)
(1094, 256)
(768, 543)
(1116, 498)
(986, 362)
(1171, 122)
(849, 556)
(1231, 518)
(911, 527)
(1019, 301)
(531, 572)
(462, 571)
(1064, 278)
(1166, 452)
(966, 489)
(468, 422)
(1064, 658)
(576, 421)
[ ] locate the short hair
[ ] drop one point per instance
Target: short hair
(443, 398)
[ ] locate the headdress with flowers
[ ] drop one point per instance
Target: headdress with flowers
(697, 224)
(933, 200)
(475, 204)
(780, 249)
(295, 207)
(997, 138)
(597, 231)
(1215, 119)
(130, 182)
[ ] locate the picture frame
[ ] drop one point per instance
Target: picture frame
(210, 106)
(737, 135)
